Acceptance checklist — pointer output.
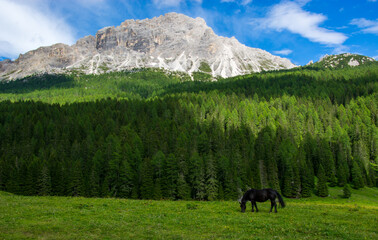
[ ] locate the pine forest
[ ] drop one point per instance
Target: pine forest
(151, 134)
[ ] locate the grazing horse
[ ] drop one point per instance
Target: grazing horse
(254, 196)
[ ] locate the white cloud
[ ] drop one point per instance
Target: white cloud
(25, 27)
(167, 3)
(367, 26)
(246, 2)
(341, 49)
(283, 52)
(171, 3)
(290, 16)
(242, 2)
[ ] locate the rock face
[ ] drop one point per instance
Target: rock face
(342, 61)
(174, 42)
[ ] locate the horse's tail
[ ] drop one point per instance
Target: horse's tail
(280, 199)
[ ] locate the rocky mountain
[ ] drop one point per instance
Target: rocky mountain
(174, 42)
(342, 61)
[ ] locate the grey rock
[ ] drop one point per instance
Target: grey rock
(174, 42)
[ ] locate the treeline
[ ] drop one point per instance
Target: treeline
(76, 87)
(203, 145)
(338, 85)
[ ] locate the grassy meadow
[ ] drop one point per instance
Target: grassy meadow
(23, 217)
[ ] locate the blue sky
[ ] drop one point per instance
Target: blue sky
(301, 30)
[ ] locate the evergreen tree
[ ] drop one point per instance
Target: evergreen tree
(147, 181)
(170, 177)
(197, 177)
(76, 180)
(183, 190)
(326, 159)
(357, 181)
(157, 162)
(95, 175)
(44, 183)
(158, 195)
(115, 161)
(211, 178)
(306, 178)
(321, 187)
(347, 191)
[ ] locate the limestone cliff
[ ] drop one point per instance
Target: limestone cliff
(174, 42)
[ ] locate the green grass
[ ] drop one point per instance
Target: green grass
(138, 84)
(204, 67)
(84, 218)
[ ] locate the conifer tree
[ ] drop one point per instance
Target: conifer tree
(115, 171)
(95, 184)
(76, 180)
(326, 159)
(44, 183)
(158, 195)
(341, 176)
(357, 181)
(183, 190)
(170, 177)
(197, 177)
(147, 181)
(347, 191)
(157, 162)
(321, 187)
(306, 178)
(211, 178)
(2, 174)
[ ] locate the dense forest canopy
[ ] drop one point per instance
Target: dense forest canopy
(153, 134)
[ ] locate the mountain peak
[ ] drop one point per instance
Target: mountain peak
(342, 61)
(172, 41)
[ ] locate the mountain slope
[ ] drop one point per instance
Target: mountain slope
(342, 61)
(174, 42)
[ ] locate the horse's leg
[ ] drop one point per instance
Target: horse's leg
(252, 202)
(271, 205)
(275, 206)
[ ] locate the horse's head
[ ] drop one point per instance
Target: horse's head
(242, 205)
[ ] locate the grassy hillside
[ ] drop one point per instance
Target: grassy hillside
(93, 218)
(138, 84)
(345, 60)
(315, 81)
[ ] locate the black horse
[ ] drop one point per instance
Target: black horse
(254, 196)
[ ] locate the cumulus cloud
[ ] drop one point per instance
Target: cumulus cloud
(283, 52)
(25, 27)
(291, 17)
(171, 3)
(367, 26)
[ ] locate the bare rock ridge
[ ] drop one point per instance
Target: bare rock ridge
(342, 61)
(174, 42)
